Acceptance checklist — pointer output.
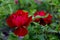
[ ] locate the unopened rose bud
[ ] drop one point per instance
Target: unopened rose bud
(16, 1)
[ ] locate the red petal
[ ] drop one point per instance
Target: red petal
(48, 19)
(41, 13)
(21, 32)
(28, 21)
(10, 23)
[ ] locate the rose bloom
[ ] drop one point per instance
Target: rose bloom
(43, 21)
(19, 20)
(21, 32)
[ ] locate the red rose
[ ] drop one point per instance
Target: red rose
(21, 31)
(18, 19)
(43, 21)
(21, 20)
(40, 13)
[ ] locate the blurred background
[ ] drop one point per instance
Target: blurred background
(36, 31)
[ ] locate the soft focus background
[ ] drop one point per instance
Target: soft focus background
(51, 32)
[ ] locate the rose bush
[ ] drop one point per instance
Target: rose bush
(29, 20)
